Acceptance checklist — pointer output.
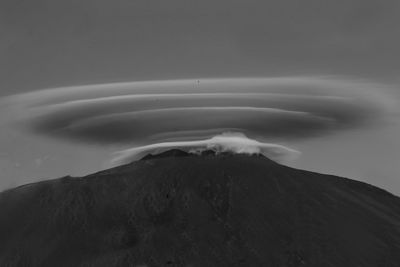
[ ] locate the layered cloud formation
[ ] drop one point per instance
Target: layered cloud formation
(143, 113)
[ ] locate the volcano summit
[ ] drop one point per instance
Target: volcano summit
(182, 209)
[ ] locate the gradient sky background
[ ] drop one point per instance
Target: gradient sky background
(53, 43)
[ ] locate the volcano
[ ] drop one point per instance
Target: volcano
(182, 209)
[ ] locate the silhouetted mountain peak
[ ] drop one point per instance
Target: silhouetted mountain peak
(209, 210)
(166, 154)
(181, 153)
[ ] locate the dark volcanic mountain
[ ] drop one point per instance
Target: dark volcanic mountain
(180, 209)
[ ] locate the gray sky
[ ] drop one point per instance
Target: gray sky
(60, 43)
(53, 43)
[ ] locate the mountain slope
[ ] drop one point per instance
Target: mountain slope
(209, 210)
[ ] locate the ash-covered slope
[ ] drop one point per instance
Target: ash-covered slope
(180, 209)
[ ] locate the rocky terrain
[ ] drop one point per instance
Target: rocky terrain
(180, 209)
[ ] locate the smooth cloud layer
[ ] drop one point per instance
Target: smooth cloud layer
(141, 113)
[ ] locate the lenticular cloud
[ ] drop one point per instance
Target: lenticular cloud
(226, 142)
(140, 114)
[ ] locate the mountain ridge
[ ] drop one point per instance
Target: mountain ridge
(205, 152)
(197, 210)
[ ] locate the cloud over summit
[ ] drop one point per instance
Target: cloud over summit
(225, 142)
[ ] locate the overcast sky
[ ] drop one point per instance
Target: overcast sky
(56, 43)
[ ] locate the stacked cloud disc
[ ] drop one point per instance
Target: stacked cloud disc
(142, 113)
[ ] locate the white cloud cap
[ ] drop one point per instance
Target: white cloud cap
(225, 142)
